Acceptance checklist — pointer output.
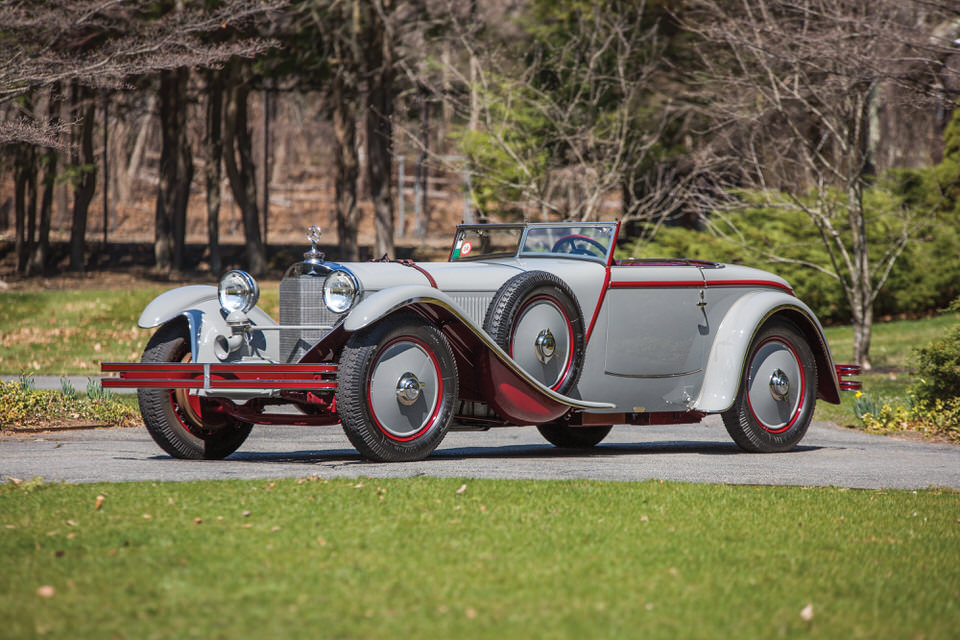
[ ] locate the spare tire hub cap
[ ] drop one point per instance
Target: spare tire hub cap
(546, 346)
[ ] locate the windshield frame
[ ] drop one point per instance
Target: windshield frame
(524, 229)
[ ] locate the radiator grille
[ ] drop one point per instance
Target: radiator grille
(301, 303)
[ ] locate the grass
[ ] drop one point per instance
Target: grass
(446, 558)
(24, 408)
(72, 332)
(891, 351)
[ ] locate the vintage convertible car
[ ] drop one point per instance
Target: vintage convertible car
(525, 324)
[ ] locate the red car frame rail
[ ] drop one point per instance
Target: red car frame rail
(220, 377)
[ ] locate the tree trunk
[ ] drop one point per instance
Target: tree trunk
(41, 252)
(379, 125)
(84, 163)
(176, 172)
(136, 155)
(237, 144)
(24, 191)
(347, 166)
(213, 149)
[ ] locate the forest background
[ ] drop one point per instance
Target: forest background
(817, 138)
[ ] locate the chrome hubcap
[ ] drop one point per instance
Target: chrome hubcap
(404, 388)
(546, 346)
(408, 389)
(775, 385)
(779, 385)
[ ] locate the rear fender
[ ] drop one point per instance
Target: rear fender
(200, 307)
(502, 383)
(741, 323)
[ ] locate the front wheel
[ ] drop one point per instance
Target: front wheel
(173, 416)
(397, 388)
(778, 391)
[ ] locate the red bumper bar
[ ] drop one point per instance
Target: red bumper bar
(845, 371)
(220, 377)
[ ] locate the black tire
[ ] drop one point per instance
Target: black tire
(403, 349)
(566, 437)
(525, 307)
(172, 416)
(778, 391)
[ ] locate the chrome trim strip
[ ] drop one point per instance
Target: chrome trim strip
(302, 327)
(500, 353)
(655, 376)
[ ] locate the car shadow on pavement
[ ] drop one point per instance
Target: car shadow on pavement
(603, 450)
(505, 452)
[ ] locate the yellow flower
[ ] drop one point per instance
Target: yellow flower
(859, 393)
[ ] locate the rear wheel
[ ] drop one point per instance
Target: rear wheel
(778, 391)
(173, 416)
(396, 389)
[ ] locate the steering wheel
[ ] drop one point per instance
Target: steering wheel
(589, 246)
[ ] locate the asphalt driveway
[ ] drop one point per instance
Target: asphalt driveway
(829, 455)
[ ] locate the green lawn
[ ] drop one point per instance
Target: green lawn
(891, 352)
(447, 558)
(72, 332)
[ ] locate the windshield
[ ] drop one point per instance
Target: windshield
(588, 240)
(481, 243)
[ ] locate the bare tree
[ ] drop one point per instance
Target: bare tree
(238, 160)
(790, 86)
(104, 43)
(571, 122)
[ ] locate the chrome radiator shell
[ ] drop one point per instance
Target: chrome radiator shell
(301, 304)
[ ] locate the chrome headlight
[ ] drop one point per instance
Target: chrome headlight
(238, 291)
(340, 291)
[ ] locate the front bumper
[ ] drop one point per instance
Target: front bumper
(221, 377)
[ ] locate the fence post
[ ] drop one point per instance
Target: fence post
(401, 203)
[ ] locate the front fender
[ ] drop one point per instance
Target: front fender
(199, 305)
(741, 323)
(510, 390)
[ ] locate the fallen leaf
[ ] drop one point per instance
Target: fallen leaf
(462, 488)
(147, 516)
(246, 514)
(99, 504)
(471, 612)
(359, 485)
(807, 613)
(321, 541)
(198, 521)
(71, 523)
(15, 481)
(46, 591)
